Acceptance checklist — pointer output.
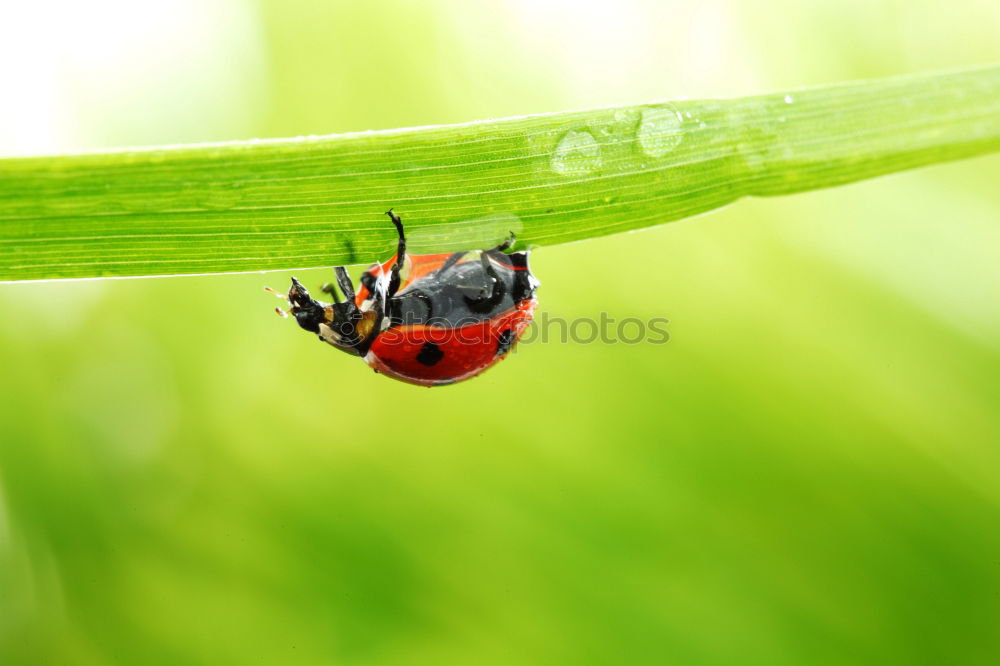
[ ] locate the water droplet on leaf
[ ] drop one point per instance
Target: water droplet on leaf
(577, 154)
(660, 130)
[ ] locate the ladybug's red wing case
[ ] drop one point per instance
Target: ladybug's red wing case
(433, 355)
(415, 266)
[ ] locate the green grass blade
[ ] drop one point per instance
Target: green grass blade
(554, 178)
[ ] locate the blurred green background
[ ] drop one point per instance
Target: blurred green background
(807, 473)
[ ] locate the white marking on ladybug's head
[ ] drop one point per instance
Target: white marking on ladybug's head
(329, 335)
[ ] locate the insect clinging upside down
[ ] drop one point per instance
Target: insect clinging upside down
(426, 319)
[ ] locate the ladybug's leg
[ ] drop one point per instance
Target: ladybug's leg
(492, 292)
(345, 284)
(506, 245)
(491, 274)
(328, 288)
(500, 250)
(400, 255)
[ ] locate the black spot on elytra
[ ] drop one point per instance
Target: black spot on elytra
(505, 342)
(429, 354)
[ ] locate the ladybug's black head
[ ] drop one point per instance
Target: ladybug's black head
(308, 312)
(342, 325)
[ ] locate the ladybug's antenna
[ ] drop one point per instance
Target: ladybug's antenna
(276, 293)
(281, 313)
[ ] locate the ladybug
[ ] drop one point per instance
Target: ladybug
(429, 319)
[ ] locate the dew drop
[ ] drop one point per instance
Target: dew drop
(788, 99)
(577, 154)
(660, 130)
